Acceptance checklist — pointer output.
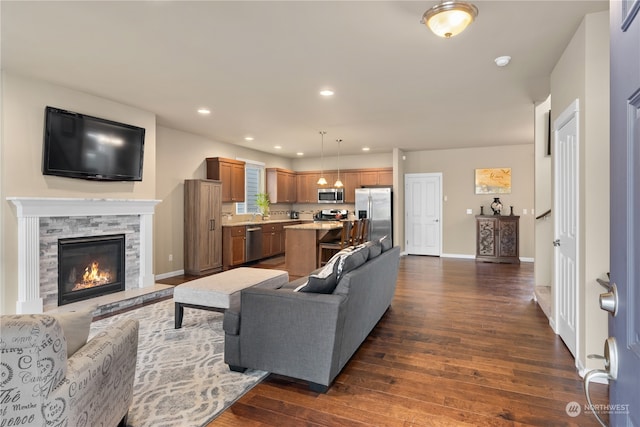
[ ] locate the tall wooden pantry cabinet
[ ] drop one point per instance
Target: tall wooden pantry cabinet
(202, 226)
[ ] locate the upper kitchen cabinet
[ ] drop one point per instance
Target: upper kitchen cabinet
(231, 173)
(382, 176)
(351, 181)
(307, 187)
(281, 185)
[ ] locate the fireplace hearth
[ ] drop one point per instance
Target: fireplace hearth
(90, 266)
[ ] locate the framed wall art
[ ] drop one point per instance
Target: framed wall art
(493, 181)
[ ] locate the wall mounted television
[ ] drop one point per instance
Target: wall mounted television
(81, 146)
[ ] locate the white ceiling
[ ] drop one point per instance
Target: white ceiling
(260, 65)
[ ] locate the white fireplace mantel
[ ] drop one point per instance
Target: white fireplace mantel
(30, 209)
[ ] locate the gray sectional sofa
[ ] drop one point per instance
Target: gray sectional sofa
(312, 335)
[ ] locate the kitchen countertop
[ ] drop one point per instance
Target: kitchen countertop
(324, 225)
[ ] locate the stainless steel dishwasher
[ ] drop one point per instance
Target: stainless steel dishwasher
(254, 243)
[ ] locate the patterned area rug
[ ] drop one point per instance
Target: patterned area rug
(181, 378)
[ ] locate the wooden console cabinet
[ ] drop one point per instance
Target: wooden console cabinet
(497, 238)
(202, 226)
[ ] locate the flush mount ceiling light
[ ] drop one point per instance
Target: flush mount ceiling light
(502, 61)
(204, 111)
(326, 92)
(449, 18)
(248, 138)
(322, 180)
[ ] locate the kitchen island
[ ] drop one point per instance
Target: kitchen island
(301, 251)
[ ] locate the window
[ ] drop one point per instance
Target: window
(253, 184)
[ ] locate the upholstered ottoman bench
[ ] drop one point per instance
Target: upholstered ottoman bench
(218, 291)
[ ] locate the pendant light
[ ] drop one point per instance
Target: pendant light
(449, 18)
(338, 183)
(322, 181)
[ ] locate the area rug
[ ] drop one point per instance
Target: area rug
(181, 378)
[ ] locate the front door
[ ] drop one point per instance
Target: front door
(624, 326)
(565, 204)
(423, 212)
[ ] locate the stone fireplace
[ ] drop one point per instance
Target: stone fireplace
(46, 223)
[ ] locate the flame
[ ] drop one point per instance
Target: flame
(93, 276)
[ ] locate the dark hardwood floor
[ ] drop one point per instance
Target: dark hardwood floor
(462, 344)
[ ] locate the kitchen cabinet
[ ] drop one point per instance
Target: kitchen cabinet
(231, 173)
(202, 226)
(281, 185)
(382, 176)
(351, 181)
(234, 244)
(307, 187)
(497, 238)
(272, 240)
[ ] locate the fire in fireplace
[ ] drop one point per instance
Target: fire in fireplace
(90, 266)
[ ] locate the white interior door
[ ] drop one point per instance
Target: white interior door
(423, 222)
(565, 207)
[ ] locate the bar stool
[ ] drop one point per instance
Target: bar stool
(363, 232)
(335, 246)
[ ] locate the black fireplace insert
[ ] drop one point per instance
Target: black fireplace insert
(90, 266)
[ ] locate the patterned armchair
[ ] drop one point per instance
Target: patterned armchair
(40, 386)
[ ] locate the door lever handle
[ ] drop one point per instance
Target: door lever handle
(556, 242)
(610, 371)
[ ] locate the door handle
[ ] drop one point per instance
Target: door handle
(436, 220)
(556, 242)
(610, 371)
(609, 300)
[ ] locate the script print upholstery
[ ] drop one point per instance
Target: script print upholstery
(39, 386)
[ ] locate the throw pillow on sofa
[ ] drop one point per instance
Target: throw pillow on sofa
(325, 280)
(351, 259)
(386, 243)
(375, 248)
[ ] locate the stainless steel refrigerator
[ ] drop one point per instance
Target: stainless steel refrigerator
(375, 204)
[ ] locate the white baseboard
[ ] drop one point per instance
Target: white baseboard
(169, 274)
(526, 259)
(465, 256)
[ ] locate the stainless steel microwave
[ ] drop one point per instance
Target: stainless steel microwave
(330, 195)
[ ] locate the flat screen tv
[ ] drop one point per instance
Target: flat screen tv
(81, 146)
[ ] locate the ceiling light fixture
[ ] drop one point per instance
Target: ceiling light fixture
(326, 92)
(502, 61)
(278, 147)
(248, 138)
(365, 149)
(299, 153)
(449, 18)
(204, 111)
(322, 180)
(338, 183)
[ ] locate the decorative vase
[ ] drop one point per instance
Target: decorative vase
(481, 210)
(511, 210)
(496, 206)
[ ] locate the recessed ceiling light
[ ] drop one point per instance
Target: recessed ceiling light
(248, 138)
(299, 153)
(326, 92)
(502, 61)
(365, 148)
(277, 147)
(204, 111)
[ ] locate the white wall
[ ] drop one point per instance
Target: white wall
(542, 268)
(583, 73)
